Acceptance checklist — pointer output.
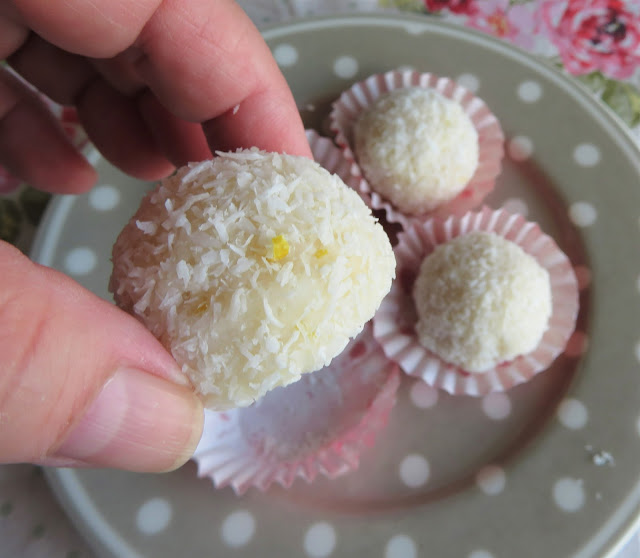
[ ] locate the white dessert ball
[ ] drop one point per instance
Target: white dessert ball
(416, 148)
(252, 269)
(481, 300)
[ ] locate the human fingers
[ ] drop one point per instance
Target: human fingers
(234, 85)
(117, 129)
(138, 134)
(180, 141)
(83, 383)
(205, 61)
(133, 132)
(33, 145)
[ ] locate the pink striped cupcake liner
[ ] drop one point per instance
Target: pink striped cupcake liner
(353, 102)
(329, 156)
(394, 323)
(319, 425)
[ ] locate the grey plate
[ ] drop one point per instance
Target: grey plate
(551, 468)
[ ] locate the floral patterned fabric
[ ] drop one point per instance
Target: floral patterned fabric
(597, 41)
(594, 35)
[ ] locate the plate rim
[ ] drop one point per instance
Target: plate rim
(624, 530)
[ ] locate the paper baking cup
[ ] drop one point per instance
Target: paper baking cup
(349, 106)
(394, 323)
(330, 157)
(318, 425)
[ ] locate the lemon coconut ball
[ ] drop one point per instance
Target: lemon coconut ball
(416, 148)
(252, 269)
(481, 300)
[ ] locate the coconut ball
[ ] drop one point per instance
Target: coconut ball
(416, 148)
(251, 269)
(481, 300)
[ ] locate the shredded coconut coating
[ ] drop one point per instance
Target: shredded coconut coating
(481, 300)
(252, 269)
(416, 148)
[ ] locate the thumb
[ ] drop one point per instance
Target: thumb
(82, 383)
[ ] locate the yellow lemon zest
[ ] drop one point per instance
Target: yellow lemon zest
(280, 247)
(321, 252)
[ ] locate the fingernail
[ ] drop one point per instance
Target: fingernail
(138, 422)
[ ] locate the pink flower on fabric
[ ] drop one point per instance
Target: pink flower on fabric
(515, 24)
(594, 34)
(453, 6)
(8, 182)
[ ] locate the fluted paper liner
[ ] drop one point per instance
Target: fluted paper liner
(316, 426)
(394, 323)
(329, 156)
(354, 101)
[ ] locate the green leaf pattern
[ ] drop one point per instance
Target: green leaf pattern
(620, 96)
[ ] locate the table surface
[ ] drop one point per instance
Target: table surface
(31, 522)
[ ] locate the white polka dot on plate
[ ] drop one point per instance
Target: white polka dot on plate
(345, 67)
(496, 405)
(586, 155)
(401, 546)
(529, 91)
(238, 529)
(516, 205)
(469, 81)
(573, 414)
(568, 494)
(583, 214)
(491, 479)
(414, 470)
(80, 261)
(583, 275)
(423, 395)
(154, 516)
(481, 554)
(320, 540)
(520, 148)
(286, 55)
(104, 197)
(577, 344)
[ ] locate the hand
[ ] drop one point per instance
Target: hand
(156, 83)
